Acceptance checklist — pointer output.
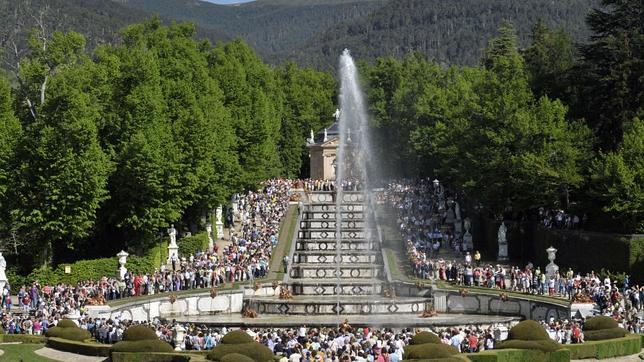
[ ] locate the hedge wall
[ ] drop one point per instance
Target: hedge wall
(608, 348)
(21, 338)
(149, 357)
(94, 269)
(520, 355)
(190, 244)
(84, 348)
(577, 249)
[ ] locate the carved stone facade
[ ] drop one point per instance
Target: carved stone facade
(322, 152)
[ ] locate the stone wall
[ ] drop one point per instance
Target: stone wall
(161, 307)
(453, 302)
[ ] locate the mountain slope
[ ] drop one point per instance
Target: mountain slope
(454, 32)
(99, 20)
(269, 26)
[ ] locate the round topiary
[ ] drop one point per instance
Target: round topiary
(546, 345)
(66, 323)
(429, 350)
(255, 351)
(425, 337)
(237, 337)
(236, 357)
(139, 333)
(603, 334)
(528, 330)
(73, 334)
(149, 345)
(600, 322)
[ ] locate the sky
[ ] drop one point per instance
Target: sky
(227, 2)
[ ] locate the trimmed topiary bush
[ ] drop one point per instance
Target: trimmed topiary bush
(237, 337)
(603, 334)
(236, 357)
(425, 337)
(149, 345)
(87, 349)
(72, 334)
(139, 333)
(429, 351)
(66, 323)
(149, 357)
(543, 345)
(528, 330)
(600, 322)
(257, 352)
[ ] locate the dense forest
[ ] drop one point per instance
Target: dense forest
(100, 151)
(451, 32)
(309, 32)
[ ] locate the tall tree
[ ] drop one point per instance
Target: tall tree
(618, 179)
(548, 61)
(611, 72)
(61, 178)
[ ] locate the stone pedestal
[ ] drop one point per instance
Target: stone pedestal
(173, 253)
(503, 252)
(211, 242)
(219, 223)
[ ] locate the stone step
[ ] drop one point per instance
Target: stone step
(324, 286)
(330, 305)
(346, 271)
(357, 245)
(331, 234)
(323, 224)
(328, 215)
(329, 257)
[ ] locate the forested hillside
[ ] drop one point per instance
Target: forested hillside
(453, 32)
(98, 20)
(271, 27)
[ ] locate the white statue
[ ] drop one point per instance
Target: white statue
(3, 275)
(467, 224)
(502, 232)
(219, 225)
(312, 138)
(325, 136)
(173, 235)
(336, 114)
(503, 242)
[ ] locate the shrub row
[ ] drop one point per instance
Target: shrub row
(604, 334)
(84, 348)
(628, 345)
(150, 345)
(72, 334)
(149, 357)
(513, 355)
(21, 338)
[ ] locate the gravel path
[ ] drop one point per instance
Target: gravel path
(66, 356)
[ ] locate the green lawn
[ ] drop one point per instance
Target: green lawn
(22, 352)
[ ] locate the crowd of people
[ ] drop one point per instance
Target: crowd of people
(246, 257)
(560, 219)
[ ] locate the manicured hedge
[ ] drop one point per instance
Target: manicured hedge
(84, 348)
(21, 338)
(190, 244)
(528, 330)
(628, 345)
(236, 357)
(254, 350)
(150, 345)
(520, 355)
(429, 350)
(67, 323)
(604, 334)
(72, 333)
(425, 337)
(237, 337)
(454, 358)
(543, 345)
(139, 333)
(149, 357)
